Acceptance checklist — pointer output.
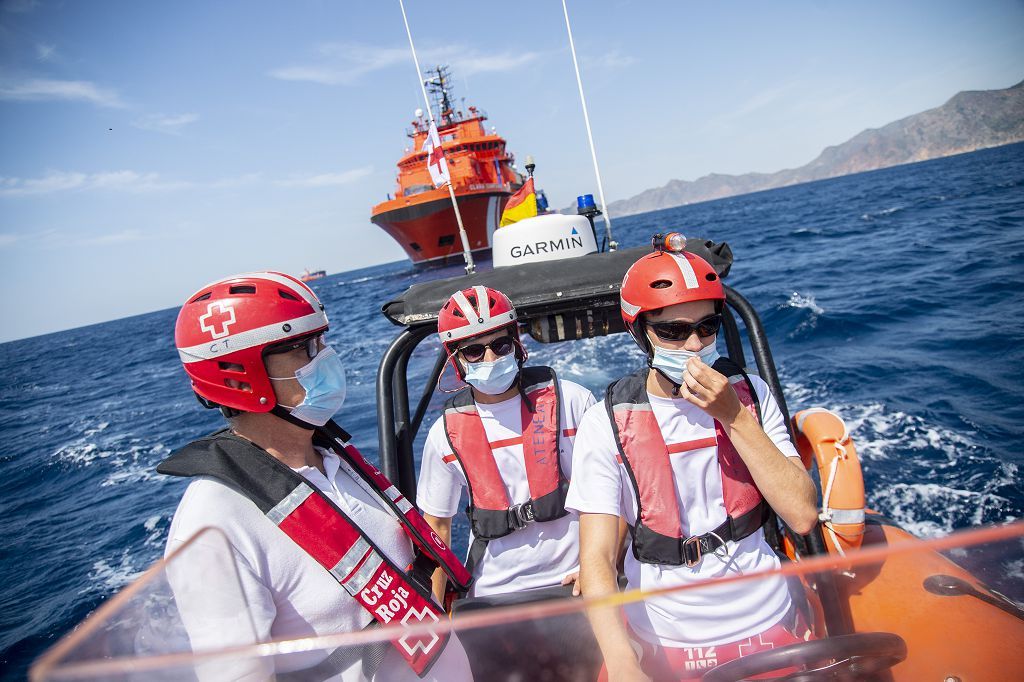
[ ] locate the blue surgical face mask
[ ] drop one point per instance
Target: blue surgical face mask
(324, 381)
(673, 362)
(493, 378)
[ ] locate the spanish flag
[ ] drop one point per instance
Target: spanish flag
(522, 204)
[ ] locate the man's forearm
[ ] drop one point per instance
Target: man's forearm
(443, 528)
(785, 486)
(598, 579)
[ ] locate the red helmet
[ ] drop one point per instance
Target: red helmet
(223, 329)
(661, 279)
(472, 312)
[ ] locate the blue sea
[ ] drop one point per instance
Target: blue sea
(895, 298)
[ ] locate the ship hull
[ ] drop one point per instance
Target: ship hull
(428, 231)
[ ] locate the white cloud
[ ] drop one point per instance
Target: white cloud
(613, 59)
(131, 181)
(62, 239)
(42, 89)
(342, 64)
(246, 180)
(46, 53)
(762, 99)
(170, 124)
(472, 63)
(122, 237)
(313, 74)
(328, 179)
(134, 182)
(347, 63)
(52, 182)
(61, 181)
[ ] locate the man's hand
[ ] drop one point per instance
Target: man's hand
(443, 528)
(574, 580)
(710, 391)
(783, 481)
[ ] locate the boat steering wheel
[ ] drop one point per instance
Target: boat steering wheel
(844, 656)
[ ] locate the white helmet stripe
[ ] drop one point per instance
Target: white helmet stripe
(483, 302)
(464, 306)
(689, 276)
(299, 291)
(475, 328)
(253, 337)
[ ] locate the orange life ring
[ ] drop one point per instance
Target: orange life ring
(822, 438)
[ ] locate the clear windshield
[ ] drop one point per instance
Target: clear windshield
(942, 609)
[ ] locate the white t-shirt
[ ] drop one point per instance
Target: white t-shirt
(289, 594)
(708, 616)
(537, 556)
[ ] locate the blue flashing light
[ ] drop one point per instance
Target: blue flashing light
(585, 202)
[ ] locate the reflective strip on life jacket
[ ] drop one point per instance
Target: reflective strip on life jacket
(379, 586)
(422, 535)
(657, 534)
(491, 511)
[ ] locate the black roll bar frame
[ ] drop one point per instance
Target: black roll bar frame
(396, 429)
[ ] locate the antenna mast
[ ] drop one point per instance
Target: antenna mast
(438, 84)
(466, 252)
(586, 119)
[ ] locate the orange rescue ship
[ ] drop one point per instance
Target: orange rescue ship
(420, 217)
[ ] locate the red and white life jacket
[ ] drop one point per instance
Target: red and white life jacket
(491, 513)
(390, 593)
(657, 535)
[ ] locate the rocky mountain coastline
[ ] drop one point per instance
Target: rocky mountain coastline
(970, 120)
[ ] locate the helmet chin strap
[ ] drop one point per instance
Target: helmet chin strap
(521, 358)
(522, 393)
(284, 414)
(642, 329)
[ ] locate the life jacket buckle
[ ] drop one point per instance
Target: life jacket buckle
(693, 552)
(519, 515)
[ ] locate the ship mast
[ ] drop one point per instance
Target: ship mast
(438, 84)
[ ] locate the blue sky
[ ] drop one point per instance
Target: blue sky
(147, 148)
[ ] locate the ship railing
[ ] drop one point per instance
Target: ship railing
(420, 127)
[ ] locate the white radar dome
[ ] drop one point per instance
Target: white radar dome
(419, 113)
(542, 238)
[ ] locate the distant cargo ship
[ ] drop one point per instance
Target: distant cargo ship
(309, 276)
(421, 218)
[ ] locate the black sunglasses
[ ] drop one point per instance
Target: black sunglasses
(502, 346)
(310, 344)
(680, 331)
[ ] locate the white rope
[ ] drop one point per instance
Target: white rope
(590, 136)
(826, 509)
(831, 479)
(466, 253)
